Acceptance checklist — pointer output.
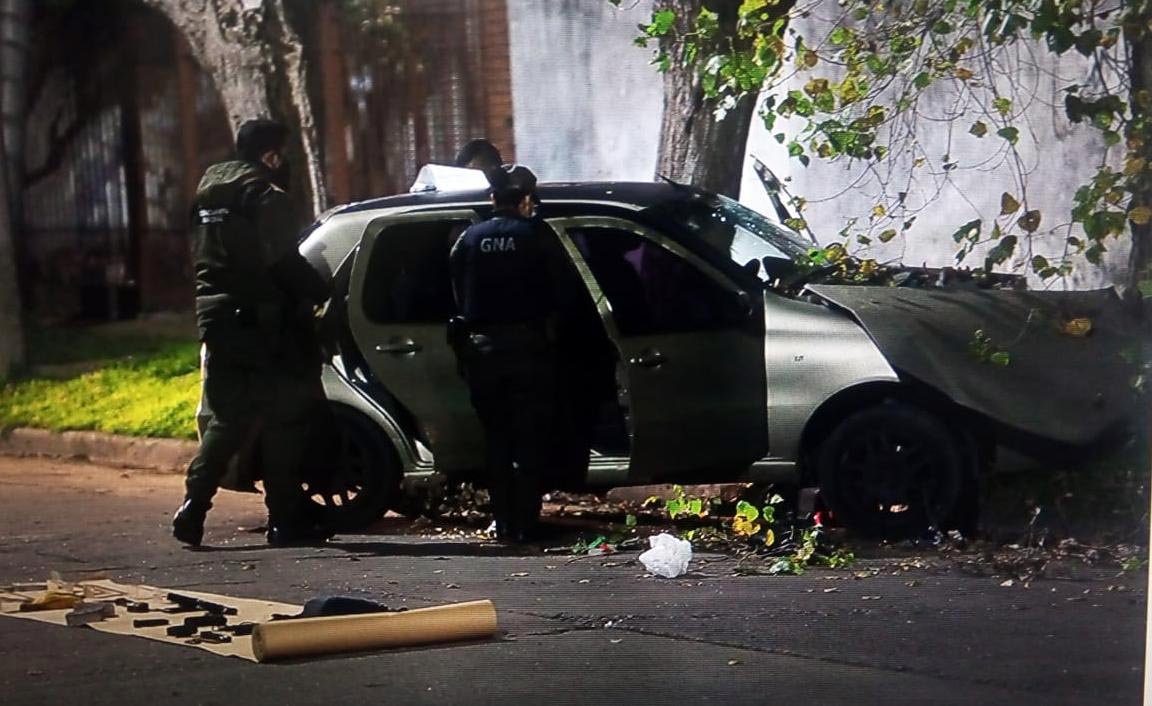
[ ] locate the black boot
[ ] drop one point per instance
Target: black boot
(296, 534)
(188, 522)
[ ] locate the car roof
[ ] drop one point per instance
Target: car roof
(641, 194)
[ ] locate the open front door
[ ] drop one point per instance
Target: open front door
(691, 348)
(400, 301)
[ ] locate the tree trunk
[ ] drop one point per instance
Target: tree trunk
(695, 148)
(1140, 77)
(255, 58)
(14, 18)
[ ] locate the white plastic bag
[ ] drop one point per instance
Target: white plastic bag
(668, 557)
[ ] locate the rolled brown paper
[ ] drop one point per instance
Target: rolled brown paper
(283, 639)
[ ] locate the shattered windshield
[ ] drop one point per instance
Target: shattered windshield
(740, 233)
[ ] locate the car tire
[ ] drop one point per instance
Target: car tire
(352, 474)
(892, 471)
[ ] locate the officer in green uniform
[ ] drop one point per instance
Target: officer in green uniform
(255, 297)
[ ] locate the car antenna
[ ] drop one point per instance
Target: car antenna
(672, 181)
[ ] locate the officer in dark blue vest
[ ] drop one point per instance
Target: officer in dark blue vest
(504, 279)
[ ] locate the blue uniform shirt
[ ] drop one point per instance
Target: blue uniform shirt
(501, 271)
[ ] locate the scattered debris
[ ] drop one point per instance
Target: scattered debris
(85, 613)
(668, 557)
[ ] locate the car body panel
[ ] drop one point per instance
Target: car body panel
(812, 353)
(686, 412)
(406, 347)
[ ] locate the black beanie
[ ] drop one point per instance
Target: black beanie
(256, 137)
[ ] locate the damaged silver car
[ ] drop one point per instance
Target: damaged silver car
(711, 352)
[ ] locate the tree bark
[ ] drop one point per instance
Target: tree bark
(695, 148)
(14, 18)
(255, 58)
(1140, 81)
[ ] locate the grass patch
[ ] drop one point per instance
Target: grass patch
(150, 393)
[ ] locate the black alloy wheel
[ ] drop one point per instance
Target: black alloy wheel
(892, 471)
(352, 474)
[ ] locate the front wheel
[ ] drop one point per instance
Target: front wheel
(892, 471)
(352, 474)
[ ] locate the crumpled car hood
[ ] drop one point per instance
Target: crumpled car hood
(1057, 384)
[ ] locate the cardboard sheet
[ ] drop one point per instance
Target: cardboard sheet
(248, 611)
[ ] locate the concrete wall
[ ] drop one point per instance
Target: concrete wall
(588, 103)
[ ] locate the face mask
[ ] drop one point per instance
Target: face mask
(282, 175)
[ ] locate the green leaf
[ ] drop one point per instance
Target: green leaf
(795, 149)
(1003, 250)
(1087, 42)
(662, 22)
(1030, 221)
(780, 137)
(840, 36)
(922, 80)
(1095, 253)
(1000, 358)
(747, 510)
(1009, 133)
(630, 520)
(979, 128)
(887, 235)
(968, 231)
(1111, 137)
(1002, 106)
(1039, 263)
(1008, 204)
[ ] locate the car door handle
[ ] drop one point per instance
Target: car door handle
(650, 358)
(399, 347)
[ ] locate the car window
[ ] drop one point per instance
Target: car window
(730, 228)
(650, 289)
(407, 280)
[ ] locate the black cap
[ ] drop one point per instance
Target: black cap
(257, 137)
(512, 182)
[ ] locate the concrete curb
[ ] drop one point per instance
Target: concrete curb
(171, 455)
(174, 455)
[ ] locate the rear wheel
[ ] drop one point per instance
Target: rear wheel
(352, 473)
(893, 471)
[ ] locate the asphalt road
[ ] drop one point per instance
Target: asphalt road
(594, 630)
